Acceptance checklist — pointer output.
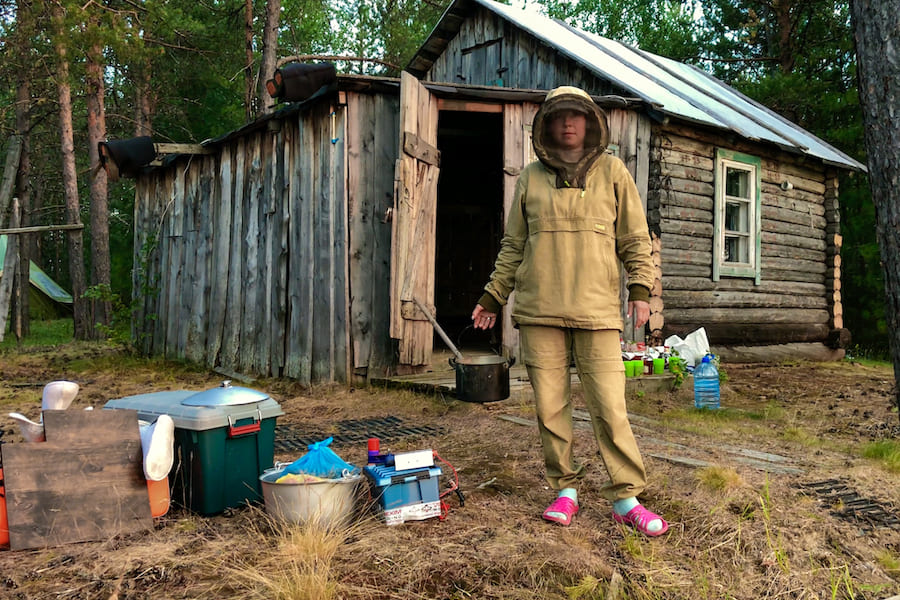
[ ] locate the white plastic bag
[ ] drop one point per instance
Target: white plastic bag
(692, 348)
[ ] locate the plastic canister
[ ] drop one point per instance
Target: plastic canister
(706, 384)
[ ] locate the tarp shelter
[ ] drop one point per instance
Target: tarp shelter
(47, 298)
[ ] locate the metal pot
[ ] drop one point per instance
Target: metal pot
(478, 378)
(482, 378)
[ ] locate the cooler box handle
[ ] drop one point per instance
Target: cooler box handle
(236, 430)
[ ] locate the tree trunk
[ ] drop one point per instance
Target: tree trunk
(100, 307)
(145, 98)
(70, 178)
(27, 245)
(875, 24)
(786, 28)
(249, 88)
(270, 49)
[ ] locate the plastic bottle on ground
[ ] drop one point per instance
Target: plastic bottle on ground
(706, 384)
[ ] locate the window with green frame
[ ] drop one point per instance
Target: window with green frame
(736, 225)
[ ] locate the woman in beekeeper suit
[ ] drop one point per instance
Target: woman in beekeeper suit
(576, 215)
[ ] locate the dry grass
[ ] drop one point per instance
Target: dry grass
(737, 532)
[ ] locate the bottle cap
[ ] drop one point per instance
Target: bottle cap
(374, 445)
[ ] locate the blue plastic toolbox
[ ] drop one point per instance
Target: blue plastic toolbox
(411, 495)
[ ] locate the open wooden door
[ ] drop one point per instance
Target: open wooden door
(518, 152)
(413, 223)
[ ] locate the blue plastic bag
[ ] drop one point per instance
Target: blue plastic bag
(320, 461)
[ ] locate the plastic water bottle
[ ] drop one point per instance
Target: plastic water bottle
(706, 384)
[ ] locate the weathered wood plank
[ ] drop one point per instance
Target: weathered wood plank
(267, 286)
(795, 199)
(780, 251)
(249, 273)
(694, 257)
(383, 152)
(164, 268)
(680, 213)
(792, 229)
(198, 314)
(785, 275)
(775, 213)
(665, 158)
(279, 215)
(324, 257)
(187, 264)
(793, 264)
(692, 228)
(691, 173)
(234, 303)
(751, 316)
(749, 333)
(681, 270)
(360, 136)
(730, 299)
(298, 360)
(84, 483)
(669, 198)
(222, 211)
(737, 284)
(338, 194)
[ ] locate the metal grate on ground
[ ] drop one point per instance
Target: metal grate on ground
(846, 504)
(291, 438)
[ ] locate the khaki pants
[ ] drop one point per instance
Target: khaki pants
(547, 353)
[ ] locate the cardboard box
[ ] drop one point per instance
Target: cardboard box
(220, 451)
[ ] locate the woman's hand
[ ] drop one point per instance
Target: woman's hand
(482, 319)
(641, 311)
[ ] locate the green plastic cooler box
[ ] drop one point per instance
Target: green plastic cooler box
(224, 440)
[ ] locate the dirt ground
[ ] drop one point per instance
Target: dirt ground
(770, 497)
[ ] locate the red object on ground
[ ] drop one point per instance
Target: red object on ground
(4, 521)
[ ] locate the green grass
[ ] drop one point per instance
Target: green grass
(43, 333)
(886, 452)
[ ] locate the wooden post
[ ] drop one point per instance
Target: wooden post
(10, 266)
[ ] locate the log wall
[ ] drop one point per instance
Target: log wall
(798, 298)
(264, 257)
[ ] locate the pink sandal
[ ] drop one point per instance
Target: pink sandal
(563, 505)
(639, 517)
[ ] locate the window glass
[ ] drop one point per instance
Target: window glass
(736, 216)
(737, 183)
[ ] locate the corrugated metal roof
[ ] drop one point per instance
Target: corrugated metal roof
(673, 88)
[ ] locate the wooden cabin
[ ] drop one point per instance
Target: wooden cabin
(299, 245)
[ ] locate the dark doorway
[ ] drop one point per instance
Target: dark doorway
(469, 221)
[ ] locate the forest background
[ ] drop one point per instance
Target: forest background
(75, 73)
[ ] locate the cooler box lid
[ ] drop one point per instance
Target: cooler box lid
(182, 406)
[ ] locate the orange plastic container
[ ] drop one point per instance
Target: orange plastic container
(4, 522)
(159, 498)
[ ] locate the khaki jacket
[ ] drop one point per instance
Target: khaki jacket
(562, 245)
